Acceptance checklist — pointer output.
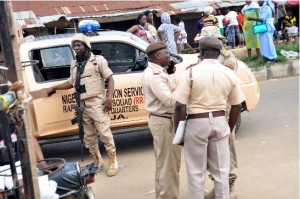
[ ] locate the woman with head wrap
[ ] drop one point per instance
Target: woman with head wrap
(267, 47)
(168, 33)
(209, 17)
(141, 29)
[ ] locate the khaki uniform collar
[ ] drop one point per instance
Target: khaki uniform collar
(92, 57)
(213, 61)
(156, 69)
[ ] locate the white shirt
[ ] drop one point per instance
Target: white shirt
(232, 18)
(220, 20)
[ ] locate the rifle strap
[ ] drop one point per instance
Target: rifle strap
(80, 69)
(79, 89)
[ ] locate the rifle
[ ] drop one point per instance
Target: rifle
(79, 120)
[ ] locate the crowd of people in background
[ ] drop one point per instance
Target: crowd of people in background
(235, 24)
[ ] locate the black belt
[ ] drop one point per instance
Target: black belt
(163, 116)
(81, 89)
(206, 115)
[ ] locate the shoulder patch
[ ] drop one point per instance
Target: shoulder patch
(230, 64)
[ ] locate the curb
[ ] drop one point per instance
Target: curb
(277, 70)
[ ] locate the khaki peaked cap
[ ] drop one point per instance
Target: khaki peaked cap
(155, 47)
(209, 31)
(82, 38)
(210, 43)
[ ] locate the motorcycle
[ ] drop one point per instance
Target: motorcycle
(72, 179)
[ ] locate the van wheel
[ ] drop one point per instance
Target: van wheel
(238, 124)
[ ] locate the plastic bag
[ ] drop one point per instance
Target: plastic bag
(47, 188)
(289, 54)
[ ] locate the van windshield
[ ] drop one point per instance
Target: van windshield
(54, 63)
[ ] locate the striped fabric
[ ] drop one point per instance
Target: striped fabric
(211, 20)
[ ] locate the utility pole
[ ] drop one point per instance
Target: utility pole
(9, 37)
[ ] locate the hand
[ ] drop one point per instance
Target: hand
(107, 105)
(50, 91)
(2, 194)
(146, 26)
(44, 167)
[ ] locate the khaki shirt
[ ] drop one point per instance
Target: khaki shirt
(157, 88)
(93, 77)
(228, 59)
(213, 84)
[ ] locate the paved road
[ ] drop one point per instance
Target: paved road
(267, 146)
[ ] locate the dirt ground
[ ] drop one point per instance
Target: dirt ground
(267, 149)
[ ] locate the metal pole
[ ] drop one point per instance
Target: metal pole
(6, 36)
(8, 55)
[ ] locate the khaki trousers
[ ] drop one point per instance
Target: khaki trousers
(206, 147)
(96, 120)
(168, 157)
(233, 161)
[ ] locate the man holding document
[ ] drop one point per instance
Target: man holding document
(158, 88)
(202, 94)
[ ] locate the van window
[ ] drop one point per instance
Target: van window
(54, 63)
(120, 56)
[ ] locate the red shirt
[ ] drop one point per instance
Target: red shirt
(241, 19)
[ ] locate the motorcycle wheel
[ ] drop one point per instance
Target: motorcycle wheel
(83, 194)
(79, 195)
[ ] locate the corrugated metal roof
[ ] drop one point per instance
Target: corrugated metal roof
(49, 11)
(83, 8)
(27, 19)
(47, 19)
(199, 5)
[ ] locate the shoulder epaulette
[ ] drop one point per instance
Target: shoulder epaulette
(192, 65)
(155, 71)
(225, 52)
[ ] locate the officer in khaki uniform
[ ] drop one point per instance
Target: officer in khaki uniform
(158, 88)
(228, 59)
(93, 100)
(204, 91)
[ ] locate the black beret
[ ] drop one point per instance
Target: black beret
(155, 47)
(210, 42)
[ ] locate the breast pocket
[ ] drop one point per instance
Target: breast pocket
(94, 86)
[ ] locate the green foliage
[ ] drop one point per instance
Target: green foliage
(281, 59)
(287, 47)
(244, 58)
(256, 63)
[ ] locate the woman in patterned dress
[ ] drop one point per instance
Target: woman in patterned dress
(251, 9)
(168, 33)
(267, 50)
(141, 29)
